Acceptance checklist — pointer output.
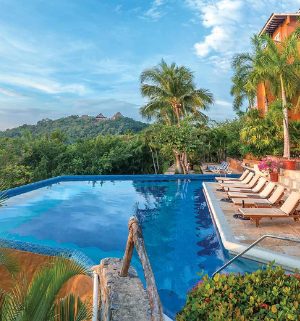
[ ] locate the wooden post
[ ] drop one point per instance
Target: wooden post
(128, 252)
(135, 238)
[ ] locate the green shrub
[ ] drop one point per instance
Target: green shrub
(268, 294)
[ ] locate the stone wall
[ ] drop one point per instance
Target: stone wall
(235, 164)
(290, 179)
(121, 298)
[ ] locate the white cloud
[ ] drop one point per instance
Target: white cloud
(223, 103)
(217, 40)
(42, 84)
(230, 24)
(221, 17)
(155, 12)
(9, 92)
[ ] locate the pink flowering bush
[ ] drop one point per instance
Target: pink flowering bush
(268, 165)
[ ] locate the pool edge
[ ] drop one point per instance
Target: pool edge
(64, 178)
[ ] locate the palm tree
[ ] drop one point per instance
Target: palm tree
(172, 93)
(243, 88)
(172, 96)
(37, 301)
(281, 61)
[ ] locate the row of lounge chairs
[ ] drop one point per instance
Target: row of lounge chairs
(260, 198)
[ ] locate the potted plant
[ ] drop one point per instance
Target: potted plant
(269, 166)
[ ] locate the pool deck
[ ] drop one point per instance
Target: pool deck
(236, 234)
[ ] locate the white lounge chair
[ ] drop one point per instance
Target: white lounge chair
(250, 185)
(246, 180)
(265, 193)
(273, 200)
(288, 209)
(231, 179)
(256, 189)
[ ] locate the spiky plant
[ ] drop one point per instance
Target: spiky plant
(37, 301)
(8, 261)
(71, 308)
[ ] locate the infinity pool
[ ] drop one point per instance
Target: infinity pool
(92, 217)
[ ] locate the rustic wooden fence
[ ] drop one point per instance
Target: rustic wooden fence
(135, 239)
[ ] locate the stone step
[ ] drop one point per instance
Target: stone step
(121, 298)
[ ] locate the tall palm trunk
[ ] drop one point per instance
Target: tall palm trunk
(177, 114)
(286, 135)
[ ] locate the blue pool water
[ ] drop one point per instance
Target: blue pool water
(92, 217)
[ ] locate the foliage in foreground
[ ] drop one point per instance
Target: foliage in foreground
(268, 294)
(37, 300)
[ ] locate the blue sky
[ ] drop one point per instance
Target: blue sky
(63, 57)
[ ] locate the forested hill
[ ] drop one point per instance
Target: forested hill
(76, 127)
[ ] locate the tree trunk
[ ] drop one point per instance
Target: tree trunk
(178, 167)
(183, 162)
(157, 162)
(286, 135)
(177, 115)
(153, 161)
(266, 98)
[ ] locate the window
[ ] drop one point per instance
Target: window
(277, 37)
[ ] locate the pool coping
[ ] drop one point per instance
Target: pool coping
(235, 247)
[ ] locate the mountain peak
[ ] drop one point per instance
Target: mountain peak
(117, 116)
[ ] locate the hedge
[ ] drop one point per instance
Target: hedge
(268, 294)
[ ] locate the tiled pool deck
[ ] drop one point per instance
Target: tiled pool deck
(237, 234)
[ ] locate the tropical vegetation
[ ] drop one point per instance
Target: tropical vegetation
(267, 294)
(23, 302)
(77, 127)
(275, 66)
(173, 96)
(27, 159)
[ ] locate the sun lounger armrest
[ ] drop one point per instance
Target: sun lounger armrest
(262, 205)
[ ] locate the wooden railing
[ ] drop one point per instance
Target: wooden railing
(135, 238)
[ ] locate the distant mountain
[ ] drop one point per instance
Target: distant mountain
(76, 127)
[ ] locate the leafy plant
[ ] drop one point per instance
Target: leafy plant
(37, 301)
(182, 141)
(267, 294)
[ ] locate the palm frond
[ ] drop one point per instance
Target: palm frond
(37, 301)
(8, 261)
(71, 308)
(171, 90)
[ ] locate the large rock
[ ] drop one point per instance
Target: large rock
(121, 298)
